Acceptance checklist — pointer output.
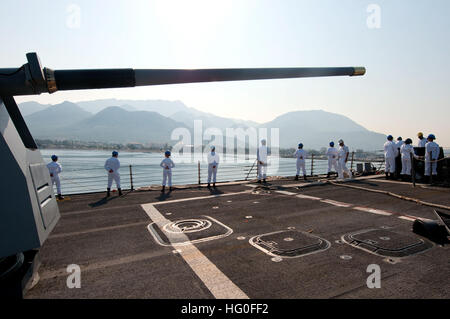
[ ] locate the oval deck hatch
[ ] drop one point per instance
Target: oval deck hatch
(386, 242)
(289, 243)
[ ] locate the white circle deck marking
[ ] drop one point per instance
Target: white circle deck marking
(168, 214)
(229, 201)
(187, 226)
(215, 207)
(338, 241)
(277, 259)
(255, 202)
(249, 217)
(346, 257)
(291, 228)
(288, 239)
(241, 238)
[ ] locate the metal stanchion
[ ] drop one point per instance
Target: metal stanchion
(131, 178)
(351, 163)
(199, 181)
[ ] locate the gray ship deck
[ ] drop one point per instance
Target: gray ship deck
(121, 256)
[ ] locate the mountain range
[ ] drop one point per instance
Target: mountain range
(152, 122)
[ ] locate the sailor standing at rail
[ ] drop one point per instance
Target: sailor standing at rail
(167, 164)
(301, 157)
(406, 151)
(422, 140)
(332, 154)
(431, 156)
(399, 142)
(55, 169)
(261, 157)
(390, 153)
(343, 153)
(213, 164)
(398, 158)
(112, 166)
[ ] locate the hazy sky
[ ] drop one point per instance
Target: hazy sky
(406, 52)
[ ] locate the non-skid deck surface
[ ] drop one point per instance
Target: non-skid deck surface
(204, 244)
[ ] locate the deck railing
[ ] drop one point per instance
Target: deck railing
(135, 176)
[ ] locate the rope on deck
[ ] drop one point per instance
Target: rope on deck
(418, 201)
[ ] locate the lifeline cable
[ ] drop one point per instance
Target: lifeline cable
(393, 195)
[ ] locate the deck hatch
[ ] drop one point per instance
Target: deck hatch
(387, 243)
(188, 231)
(289, 243)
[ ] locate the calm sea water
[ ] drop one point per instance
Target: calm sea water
(83, 170)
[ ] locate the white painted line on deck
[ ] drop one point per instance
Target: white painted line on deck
(308, 197)
(407, 218)
(336, 203)
(372, 210)
(286, 193)
(216, 281)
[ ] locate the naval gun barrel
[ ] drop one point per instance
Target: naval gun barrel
(31, 78)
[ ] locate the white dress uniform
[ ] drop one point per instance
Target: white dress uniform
(390, 153)
(332, 154)
(262, 157)
(213, 164)
(422, 142)
(167, 164)
(342, 165)
(301, 157)
(114, 165)
(399, 144)
(433, 148)
(54, 169)
(406, 150)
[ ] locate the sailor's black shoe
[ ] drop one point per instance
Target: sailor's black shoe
(108, 192)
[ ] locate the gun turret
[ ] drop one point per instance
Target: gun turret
(31, 78)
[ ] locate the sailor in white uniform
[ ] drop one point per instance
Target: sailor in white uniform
(390, 153)
(213, 164)
(431, 155)
(343, 153)
(167, 164)
(55, 169)
(262, 161)
(399, 142)
(398, 158)
(406, 150)
(332, 154)
(422, 140)
(112, 166)
(300, 154)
